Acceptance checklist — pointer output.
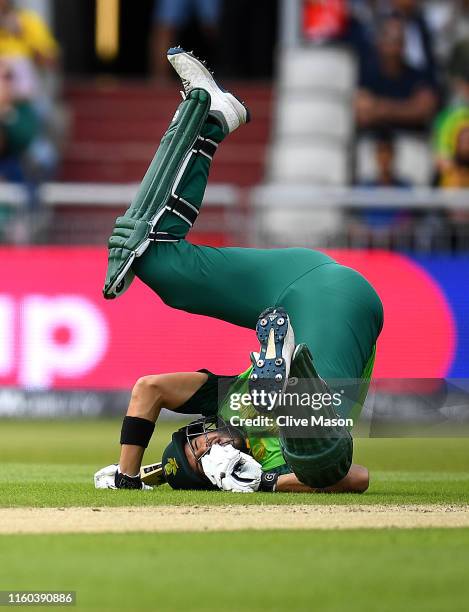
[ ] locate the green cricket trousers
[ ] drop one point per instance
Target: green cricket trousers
(333, 309)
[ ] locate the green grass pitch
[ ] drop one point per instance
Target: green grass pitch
(52, 463)
(363, 571)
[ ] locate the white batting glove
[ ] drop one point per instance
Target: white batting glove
(106, 478)
(245, 477)
(219, 461)
(231, 470)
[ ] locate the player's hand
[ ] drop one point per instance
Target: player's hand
(245, 476)
(105, 478)
(231, 470)
(219, 461)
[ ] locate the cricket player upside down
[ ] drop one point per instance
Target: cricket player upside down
(335, 313)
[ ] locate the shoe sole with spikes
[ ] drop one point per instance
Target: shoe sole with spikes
(271, 366)
(194, 74)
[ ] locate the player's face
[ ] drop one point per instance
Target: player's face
(201, 445)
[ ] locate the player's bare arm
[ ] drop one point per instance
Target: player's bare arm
(356, 481)
(152, 393)
(149, 395)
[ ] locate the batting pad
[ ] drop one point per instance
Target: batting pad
(157, 195)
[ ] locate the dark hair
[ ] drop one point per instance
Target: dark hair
(384, 136)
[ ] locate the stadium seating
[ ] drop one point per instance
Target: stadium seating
(312, 136)
(325, 116)
(322, 162)
(314, 68)
(313, 120)
(116, 129)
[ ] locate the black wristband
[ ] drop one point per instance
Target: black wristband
(136, 431)
(268, 482)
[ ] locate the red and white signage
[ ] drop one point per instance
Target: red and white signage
(57, 331)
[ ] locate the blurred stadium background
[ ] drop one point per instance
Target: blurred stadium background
(359, 144)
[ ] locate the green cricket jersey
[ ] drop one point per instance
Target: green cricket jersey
(263, 442)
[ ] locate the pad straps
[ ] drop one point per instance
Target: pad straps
(158, 195)
(206, 147)
(176, 203)
(162, 237)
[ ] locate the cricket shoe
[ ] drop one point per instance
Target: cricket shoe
(271, 365)
(111, 478)
(225, 106)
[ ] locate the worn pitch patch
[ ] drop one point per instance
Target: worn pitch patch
(227, 518)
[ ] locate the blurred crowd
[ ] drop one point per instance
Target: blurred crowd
(413, 83)
(413, 58)
(238, 38)
(414, 74)
(171, 16)
(31, 125)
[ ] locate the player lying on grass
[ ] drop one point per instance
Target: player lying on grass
(333, 309)
(210, 453)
